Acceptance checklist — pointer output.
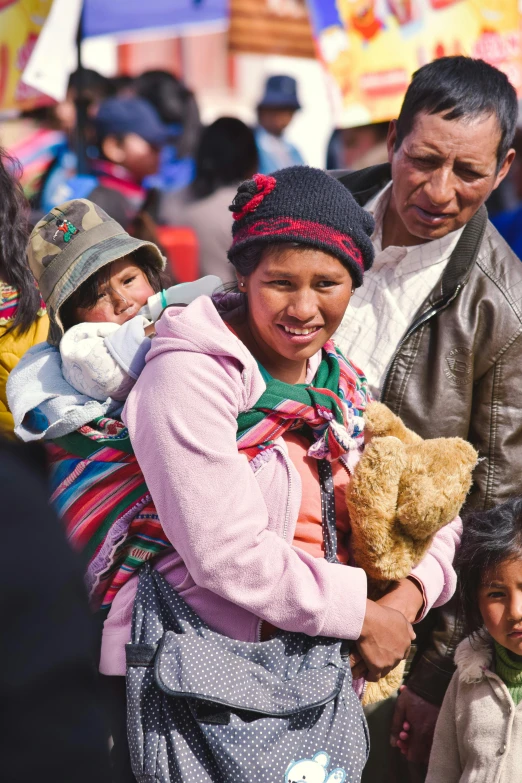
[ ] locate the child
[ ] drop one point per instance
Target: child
(109, 320)
(105, 291)
(479, 730)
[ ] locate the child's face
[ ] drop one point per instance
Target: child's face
(500, 604)
(121, 297)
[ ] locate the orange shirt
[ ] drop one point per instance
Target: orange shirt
(308, 531)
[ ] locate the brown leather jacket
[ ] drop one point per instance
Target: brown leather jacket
(458, 371)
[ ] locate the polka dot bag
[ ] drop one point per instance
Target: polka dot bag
(204, 708)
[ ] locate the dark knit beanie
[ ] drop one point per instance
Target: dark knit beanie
(307, 206)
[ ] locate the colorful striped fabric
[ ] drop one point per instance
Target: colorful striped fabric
(332, 407)
(36, 152)
(9, 299)
(100, 493)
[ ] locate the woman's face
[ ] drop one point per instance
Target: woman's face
(296, 300)
(120, 297)
(500, 604)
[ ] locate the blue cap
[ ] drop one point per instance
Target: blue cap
(281, 92)
(120, 116)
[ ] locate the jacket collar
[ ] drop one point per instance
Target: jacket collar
(474, 656)
(368, 182)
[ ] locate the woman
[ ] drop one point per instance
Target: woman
(23, 320)
(238, 473)
(226, 155)
(245, 423)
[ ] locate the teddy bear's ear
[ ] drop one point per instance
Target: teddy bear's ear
(322, 758)
(379, 422)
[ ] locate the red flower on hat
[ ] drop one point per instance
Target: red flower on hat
(250, 194)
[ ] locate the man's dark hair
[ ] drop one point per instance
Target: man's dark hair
(489, 539)
(461, 87)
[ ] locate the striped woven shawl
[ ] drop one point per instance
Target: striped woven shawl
(99, 489)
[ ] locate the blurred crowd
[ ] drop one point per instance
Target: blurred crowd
(151, 164)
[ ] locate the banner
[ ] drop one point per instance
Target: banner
(271, 27)
(104, 17)
(20, 24)
(370, 48)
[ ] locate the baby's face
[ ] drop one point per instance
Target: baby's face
(121, 297)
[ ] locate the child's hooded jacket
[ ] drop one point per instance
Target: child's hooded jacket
(478, 738)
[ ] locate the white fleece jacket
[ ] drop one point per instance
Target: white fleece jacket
(478, 738)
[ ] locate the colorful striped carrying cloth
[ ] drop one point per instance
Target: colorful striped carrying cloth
(99, 491)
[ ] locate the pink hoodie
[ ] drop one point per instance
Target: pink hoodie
(231, 526)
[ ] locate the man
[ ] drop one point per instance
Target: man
(437, 326)
(274, 114)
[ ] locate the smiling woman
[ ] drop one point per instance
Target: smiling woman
(297, 297)
(246, 422)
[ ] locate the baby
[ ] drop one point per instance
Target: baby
(109, 321)
(108, 297)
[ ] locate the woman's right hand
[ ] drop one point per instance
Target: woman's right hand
(385, 640)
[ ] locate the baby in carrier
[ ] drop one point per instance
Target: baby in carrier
(109, 319)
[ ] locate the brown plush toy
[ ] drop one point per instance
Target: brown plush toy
(404, 490)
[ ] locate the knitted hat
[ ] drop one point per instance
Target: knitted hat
(70, 244)
(304, 205)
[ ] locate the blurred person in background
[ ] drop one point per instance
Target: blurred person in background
(35, 139)
(92, 89)
(52, 724)
(43, 141)
(23, 320)
(130, 136)
(438, 328)
(275, 112)
(178, 110)
(509, 222)
(226, 155)
(123, 86)
(356, 148)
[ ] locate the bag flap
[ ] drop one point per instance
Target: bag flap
(218, 671)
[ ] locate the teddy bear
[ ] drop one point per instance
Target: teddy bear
(314, 770)
(403, 491)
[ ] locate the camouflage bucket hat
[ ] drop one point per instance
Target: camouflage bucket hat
(70, 244)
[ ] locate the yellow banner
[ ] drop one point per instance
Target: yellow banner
(370, 48)
(20, 24)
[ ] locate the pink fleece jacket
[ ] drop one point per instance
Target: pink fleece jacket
(232, 526)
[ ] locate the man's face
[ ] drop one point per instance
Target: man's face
(275, 120)
(442, 173)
